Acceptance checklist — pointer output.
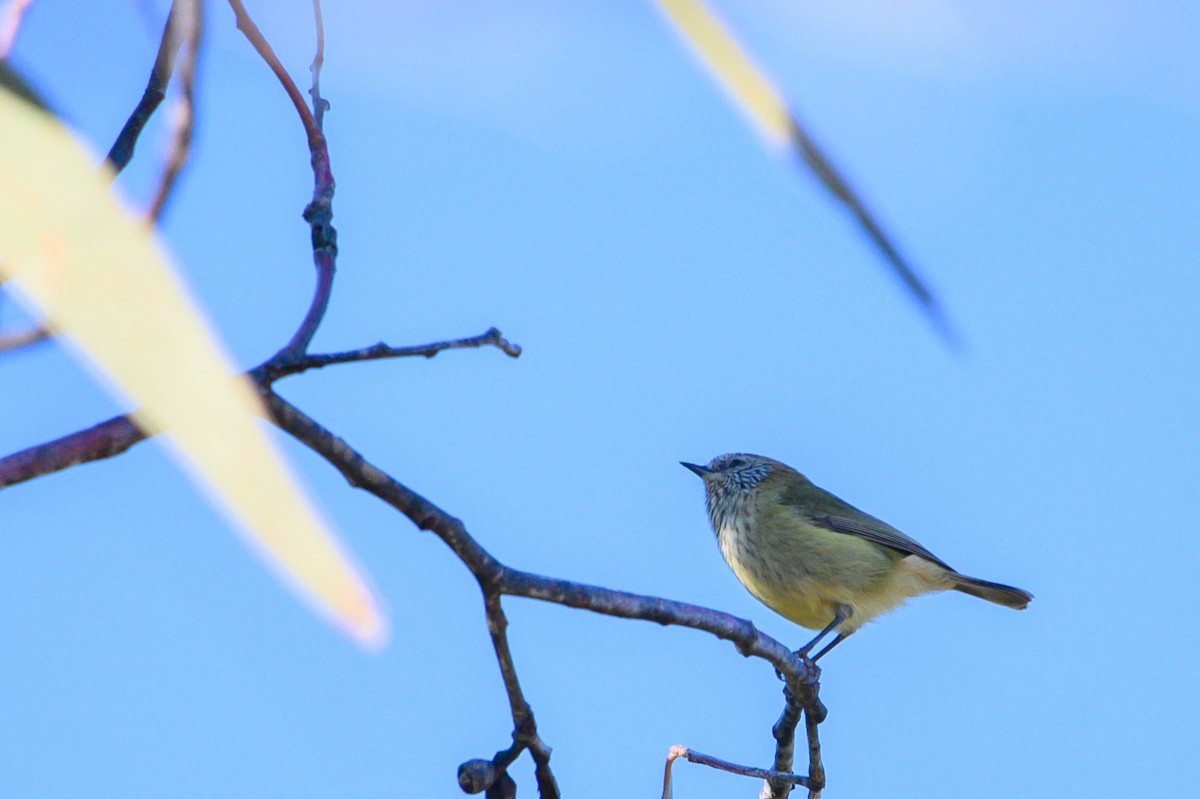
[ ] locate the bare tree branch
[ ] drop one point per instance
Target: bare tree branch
(494, 578)
(246, 25)
(693, 756)
(114, 436)
(189, 28)
(101, 441)
(320, 105)
(816, 769)
(797, 699)
(117, 435)
(282, 365)
(156, 88)
(525, 734)
(784, 732)
(319, 213)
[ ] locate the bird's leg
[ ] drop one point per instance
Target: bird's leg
(841, 637)
(840, 614)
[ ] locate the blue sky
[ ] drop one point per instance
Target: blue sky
(566, 173)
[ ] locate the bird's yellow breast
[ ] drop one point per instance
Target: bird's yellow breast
(803, 571)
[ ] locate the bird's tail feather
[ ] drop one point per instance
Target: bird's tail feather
(993, 592)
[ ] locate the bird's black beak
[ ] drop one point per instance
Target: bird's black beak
(699, 471)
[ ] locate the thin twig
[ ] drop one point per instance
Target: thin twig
(156, 89)
(525, 733)
(497, 624)
(319, 212)
(116, 435)
(702, 759)
(10, 24)
(190, 29)
(816, 769)
(282, 365)
(320, 104)
(784, 732)
(246, 25)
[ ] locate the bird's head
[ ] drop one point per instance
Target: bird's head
(729, 479)
(736, 472)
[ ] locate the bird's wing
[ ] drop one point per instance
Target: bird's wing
(826, 510)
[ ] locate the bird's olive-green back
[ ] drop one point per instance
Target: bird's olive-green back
(832, 513)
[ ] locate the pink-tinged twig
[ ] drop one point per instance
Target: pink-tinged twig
(319, 212)
(692, 756)
(10, 24)
(320, 105)
(12, 340)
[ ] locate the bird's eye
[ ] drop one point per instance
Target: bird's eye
(736, 463)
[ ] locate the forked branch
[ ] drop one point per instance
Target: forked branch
(495, 579)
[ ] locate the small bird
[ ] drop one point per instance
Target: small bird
(817, 560)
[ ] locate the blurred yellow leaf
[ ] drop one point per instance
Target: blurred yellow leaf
(750, 89)
(734, 70)
(102, 281)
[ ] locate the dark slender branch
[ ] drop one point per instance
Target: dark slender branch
(190, 21)
(319, 216)
(525, 732)
(117, 435)
(799, 695)
(319, 213)
(283, 366)
(497, 624)
(95, 443)
(546, 784)
(479, 775)
(494, 576)
(781, 777)
(156, 89)
(745, 637)
(362, 474)
(784, 732)
(114, 436)
(816, 769)
(496, 579)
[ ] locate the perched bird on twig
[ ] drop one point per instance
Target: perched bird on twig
(817, 560)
